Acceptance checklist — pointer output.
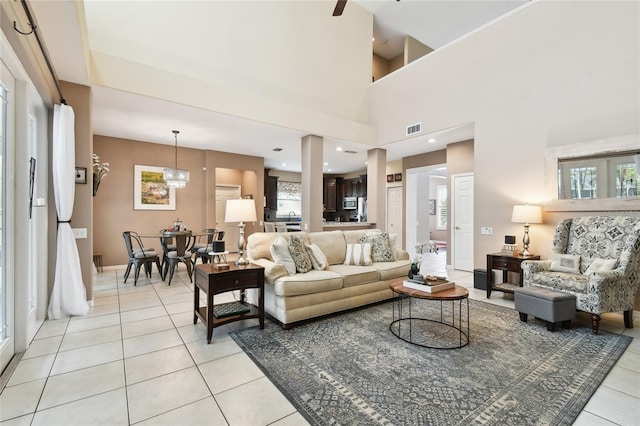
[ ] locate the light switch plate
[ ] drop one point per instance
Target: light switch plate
(79, 233)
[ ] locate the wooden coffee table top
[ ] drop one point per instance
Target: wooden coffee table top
(455, 293)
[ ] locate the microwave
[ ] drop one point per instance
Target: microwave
(350, 203)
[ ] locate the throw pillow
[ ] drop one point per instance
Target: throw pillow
(565, 263)
(299, 254)
(280, 254)
(380, 246)
(601, 265)
(318, 259)
(358, 254)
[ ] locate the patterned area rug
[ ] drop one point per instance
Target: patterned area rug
(349, 369)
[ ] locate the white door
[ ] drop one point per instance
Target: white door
(224, 193)
(7, 289)
(462, 217)
(394, 213)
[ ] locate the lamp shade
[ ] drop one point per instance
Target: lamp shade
(242, 210)
(526, 214)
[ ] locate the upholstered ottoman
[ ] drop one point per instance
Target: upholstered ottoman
(545, 304)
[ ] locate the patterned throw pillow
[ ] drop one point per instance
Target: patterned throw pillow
(318, 259)
(280, 254)
(358, 254)
(299, 254)
(565, 263)
(380, 246)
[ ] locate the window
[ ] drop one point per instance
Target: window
(289, 199)
(608, 175)
(441, 207)
(583, 182)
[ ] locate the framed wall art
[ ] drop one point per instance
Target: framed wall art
(150, 192)
(81, 175)
(397, 177)
(389, 178)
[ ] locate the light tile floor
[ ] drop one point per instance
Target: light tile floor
(137, 358)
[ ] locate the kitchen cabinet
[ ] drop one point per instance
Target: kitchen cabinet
(271, 192)
(330, 195)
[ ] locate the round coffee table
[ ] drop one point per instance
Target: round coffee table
(428, 332)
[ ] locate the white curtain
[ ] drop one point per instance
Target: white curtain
(68, 296)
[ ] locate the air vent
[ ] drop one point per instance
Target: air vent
(414, 128)
(277, 149)
(348, 151)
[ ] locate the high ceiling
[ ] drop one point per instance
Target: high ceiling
(127, 115)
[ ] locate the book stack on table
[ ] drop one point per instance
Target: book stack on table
(429, 286)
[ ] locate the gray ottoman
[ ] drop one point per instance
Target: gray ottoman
(548, 305)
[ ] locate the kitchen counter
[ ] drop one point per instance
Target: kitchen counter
(346, 226)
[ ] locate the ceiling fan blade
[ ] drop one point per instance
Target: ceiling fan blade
(339, 7)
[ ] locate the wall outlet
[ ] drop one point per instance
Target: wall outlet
(485, 230)
(79, 233)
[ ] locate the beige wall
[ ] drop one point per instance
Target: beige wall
(195, 204)
(380, 67)
(524, 91)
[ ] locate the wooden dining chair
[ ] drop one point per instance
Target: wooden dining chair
(138, 256)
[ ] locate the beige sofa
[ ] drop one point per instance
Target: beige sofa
(293, 298)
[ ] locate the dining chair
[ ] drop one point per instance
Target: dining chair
(138, 255)
(203, 244)
(174, 257)
(281, 227)
(269, 227)
(215, 245)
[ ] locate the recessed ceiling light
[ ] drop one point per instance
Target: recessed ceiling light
(284, 164)
(338, 148)
(431, 140)
(373, 39)
(328, 170)
(326, 164)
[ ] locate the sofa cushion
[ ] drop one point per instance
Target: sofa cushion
(353, 236)
(380, 246)
(358, 254)
(318, 259)
(601, 265)
(308, 283)
(565, 263)
(575, 283)
(355, 275)
(332, 244)
(259, 243)
(392, 270)
(280, 254)
(299, 254)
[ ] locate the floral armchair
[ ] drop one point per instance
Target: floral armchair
(595, 258)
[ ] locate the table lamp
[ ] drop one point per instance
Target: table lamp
(526, 214)
(242, 210)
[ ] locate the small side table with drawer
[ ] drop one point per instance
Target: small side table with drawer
(212, 280)
(506, 263)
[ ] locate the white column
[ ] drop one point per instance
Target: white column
(376, 187)
(312, 183)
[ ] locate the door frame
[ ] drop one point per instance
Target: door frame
(411, 203)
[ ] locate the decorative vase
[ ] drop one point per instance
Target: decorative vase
(414, 270)
(96, 184)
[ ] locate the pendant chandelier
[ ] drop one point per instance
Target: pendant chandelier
(176, 178)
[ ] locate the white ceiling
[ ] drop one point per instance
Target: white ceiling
(130, 116)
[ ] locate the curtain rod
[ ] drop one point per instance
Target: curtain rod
(44, 53)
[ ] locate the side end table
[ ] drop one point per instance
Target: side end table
(505, 263)
(214, 280)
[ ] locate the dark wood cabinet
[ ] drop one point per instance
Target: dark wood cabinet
(271, 192)
(330, 195)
